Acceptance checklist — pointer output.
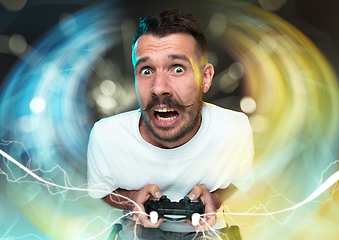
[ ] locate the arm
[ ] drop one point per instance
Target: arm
(212, 201)
(119, 199)
(223, 194)
(134, 200)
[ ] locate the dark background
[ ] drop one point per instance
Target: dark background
(319, 20)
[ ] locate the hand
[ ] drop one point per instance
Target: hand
(140, 197)
(211, 204)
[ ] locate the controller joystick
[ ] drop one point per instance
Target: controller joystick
(195, 219)
(164, 199)
(174, 211)
(154, 217)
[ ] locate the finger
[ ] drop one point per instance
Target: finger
(140, 217)
(189, 221)
(154, 190)
(201, 221)
(210, 211)
(206, 222)
(146, 222)
(196, 192)
(203, 227)
(138, 210)
(137, 215)
(210, 215)
(136, 218)
(211, 221)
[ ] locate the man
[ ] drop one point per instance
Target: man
(174, 144)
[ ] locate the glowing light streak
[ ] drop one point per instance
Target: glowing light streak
(295, 91)
(23, 237)
(323, 172)
(332, 180)
(31, 173)
(107, 228)
(327, 184)
(53, 184)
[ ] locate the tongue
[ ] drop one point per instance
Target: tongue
(167, 114)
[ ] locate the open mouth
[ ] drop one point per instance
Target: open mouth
(165, 114)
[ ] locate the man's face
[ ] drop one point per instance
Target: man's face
(169, 84)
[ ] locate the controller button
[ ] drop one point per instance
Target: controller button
(154, 217)
(195, 219)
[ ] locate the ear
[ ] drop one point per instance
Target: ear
(207, 76)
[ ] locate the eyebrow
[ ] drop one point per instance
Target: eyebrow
(141, 60)
(171, 56)
(179, 56)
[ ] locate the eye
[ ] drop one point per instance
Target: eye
(146, 71)
(179, 69)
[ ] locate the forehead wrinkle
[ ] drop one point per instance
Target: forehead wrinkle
(155, 47)
(149, 48)
(162, 44)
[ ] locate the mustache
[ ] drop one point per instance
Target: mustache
(166, 101)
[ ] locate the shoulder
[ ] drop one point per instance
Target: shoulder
(224, 116)
(220, 122)
(120, 122)
(116, 120)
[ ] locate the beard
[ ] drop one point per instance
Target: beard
(192, 114)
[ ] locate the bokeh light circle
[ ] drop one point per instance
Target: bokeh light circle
(286, 78)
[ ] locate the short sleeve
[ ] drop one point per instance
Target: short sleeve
(100, 183)
(244, 178)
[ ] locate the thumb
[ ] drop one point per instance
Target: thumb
(154, 190)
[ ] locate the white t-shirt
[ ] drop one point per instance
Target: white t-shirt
(220, 153)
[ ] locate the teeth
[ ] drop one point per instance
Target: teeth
(164, 109)
(166, 119)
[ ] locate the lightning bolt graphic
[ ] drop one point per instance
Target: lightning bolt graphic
(323, 187)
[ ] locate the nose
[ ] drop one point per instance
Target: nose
(161, 86)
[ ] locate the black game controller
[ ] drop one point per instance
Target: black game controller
(184, 209)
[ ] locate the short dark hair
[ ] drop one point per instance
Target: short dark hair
(168, 22)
